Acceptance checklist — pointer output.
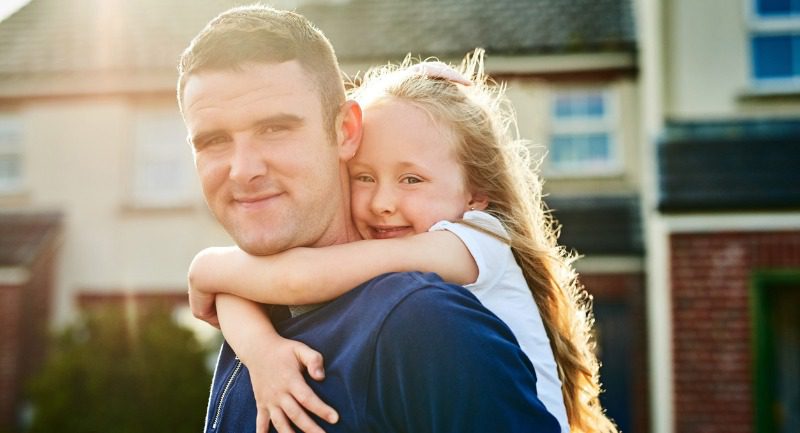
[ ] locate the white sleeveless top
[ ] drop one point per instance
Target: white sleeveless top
(502, 289)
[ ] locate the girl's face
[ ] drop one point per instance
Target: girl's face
(405, 176)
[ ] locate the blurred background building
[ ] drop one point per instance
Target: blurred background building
(670, 131)
(720, 85)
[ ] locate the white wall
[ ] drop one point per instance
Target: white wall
(78, 159)
(707, 62)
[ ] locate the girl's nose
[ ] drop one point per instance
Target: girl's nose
(383, 201)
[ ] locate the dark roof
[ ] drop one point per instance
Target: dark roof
(599, 225)
(23, 235)
(731, 165)
(78, 36)
(369, 28)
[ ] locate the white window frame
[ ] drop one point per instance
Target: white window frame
(11, 126)
(758, 25)
(609, 124)
(160, 138)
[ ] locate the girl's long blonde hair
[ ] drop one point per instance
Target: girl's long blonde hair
(496, 162)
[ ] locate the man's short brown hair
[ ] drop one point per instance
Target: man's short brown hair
(260, 34)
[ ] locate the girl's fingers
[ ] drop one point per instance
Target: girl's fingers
(311, 359)
(262, 421)
(299, 417)
(309, 400)
(279, 420)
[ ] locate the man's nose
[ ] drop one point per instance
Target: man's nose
(383, 202)
(247, 164)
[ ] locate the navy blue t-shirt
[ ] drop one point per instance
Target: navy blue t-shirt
(404, 352)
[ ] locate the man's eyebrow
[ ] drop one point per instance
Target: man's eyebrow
(277, 119)
(195, 140)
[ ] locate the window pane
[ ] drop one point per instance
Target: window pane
(595, 105)
(772, 56)
(559, 147)
(563, 106)
(585, 104)
(572, 149)
(9, 169)
(777, 7)
(773, 7)
(598, 147)
(10, 153)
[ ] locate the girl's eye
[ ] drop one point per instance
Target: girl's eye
(410, 180)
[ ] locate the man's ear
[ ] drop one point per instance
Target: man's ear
(348, 130)
(478, 201)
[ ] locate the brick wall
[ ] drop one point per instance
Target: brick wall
(24, 313)
(10, 311)
(710, 275)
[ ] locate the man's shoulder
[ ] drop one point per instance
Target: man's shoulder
(402, 288)
(418, 302)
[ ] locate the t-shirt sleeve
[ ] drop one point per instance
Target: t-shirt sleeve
(490, 254)
(443, 363)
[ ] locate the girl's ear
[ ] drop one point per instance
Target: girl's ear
(478, 201)
(348, 130)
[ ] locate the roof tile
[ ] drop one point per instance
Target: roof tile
(55, 36)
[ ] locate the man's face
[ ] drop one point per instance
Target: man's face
(267, 164)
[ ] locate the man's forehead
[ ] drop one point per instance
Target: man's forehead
(251, 85)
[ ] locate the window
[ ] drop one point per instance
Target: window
(775, 43)
(163, 171)
(10, 153)
(583, 133)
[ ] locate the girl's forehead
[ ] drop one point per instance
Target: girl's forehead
(408, 118)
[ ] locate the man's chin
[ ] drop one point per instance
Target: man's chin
(259, 248)
(262, 246)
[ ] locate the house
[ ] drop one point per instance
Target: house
(722, 207)
(89, 128)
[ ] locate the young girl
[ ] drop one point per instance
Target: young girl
(441, 185)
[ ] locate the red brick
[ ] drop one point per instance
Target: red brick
(710, 282)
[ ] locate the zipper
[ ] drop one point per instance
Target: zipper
(225, 391)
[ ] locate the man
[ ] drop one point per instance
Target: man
(263, 100)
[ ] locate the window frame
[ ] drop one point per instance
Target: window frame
(14, 121)
(145, 119)
(778, 25)
(609, 124)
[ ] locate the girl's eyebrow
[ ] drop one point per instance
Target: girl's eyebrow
(411, 165)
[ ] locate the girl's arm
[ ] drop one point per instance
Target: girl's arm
(311, 275)
(281, 393)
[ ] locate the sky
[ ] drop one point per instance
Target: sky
(8, 7)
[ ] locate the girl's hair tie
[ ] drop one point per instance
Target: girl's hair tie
(436, 69)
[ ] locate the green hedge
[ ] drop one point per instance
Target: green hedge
(106, 374)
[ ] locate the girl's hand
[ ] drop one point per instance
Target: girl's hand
(201, 301)
(282, 394)
(203, 306)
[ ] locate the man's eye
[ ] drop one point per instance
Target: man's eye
(364, 178)
(410, 180)
(211, 141)
(272, 129)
